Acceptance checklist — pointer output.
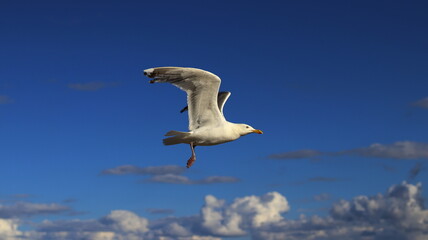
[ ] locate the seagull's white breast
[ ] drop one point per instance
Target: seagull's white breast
(214, 135)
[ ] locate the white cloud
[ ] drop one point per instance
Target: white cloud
(217, 221)
(244, 213)
(402, 205)
(118, 225)
(397, 214)
(74, 235)
(125, 222)
(9, 229)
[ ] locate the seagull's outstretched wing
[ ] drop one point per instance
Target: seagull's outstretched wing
(221, 100)
(201, 88)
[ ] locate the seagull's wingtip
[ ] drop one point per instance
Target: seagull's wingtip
(148, 72)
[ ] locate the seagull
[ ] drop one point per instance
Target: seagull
(207, 124)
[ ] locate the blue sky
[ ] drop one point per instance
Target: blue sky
(338, 87)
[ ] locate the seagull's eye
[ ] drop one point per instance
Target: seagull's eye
(247, 127)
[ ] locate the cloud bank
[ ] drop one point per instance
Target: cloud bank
(397, 214)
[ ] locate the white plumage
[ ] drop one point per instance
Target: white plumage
(207, 124)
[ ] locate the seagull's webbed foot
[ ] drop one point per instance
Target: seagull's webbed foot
(192, 159)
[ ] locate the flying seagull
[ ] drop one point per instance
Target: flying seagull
(207, 125)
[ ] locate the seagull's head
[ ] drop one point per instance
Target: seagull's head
(245, 129)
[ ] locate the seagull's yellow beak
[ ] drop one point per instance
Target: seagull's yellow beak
(257, 131)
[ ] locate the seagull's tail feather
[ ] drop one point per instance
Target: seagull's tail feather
(173, 133)
(178, 137)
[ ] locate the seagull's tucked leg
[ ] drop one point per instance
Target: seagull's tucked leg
(193, 157)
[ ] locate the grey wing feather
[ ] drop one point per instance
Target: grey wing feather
(221, 100)
(201, 88)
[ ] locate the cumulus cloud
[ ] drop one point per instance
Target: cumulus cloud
(119, 224)
(91, 86)
(217, 218)
(397, 150)
(5, 99)
(423, 103)
(26, 209)
(125, 222)
(397, 214)
(243, 214)
(9, 229)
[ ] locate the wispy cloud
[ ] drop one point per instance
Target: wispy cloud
(179, 179)
(398, 150)
(135, 170)
(5, 99)
(26, 209)
(91, 86)
(170, 174)
(423, 103)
